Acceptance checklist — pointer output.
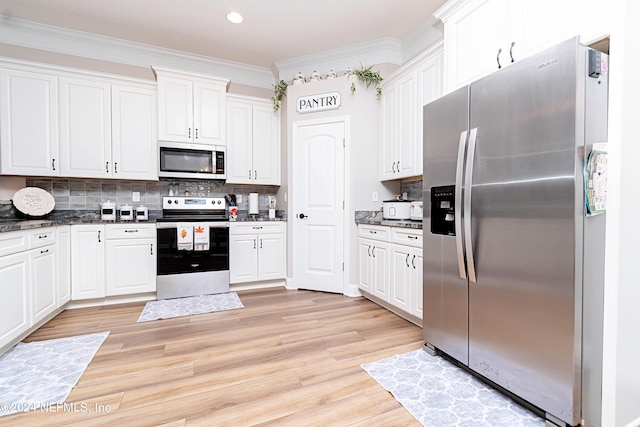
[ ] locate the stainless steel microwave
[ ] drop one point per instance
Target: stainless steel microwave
(180, 160)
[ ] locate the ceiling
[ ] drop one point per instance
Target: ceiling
(272, 31)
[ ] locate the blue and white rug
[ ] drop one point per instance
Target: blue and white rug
(40, 373)
(439, 394)
(177, 307)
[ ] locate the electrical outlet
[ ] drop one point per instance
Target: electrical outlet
(135, 196)
(238, 198)
(374, 196)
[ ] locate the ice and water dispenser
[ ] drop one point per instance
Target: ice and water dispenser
(443, 210)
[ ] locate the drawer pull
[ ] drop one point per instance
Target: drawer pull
(413, 237)
(257, 228)
(131, 231)
(45, 251)
(373, 232)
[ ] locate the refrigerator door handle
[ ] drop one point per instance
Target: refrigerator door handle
(471, 152)
(458, 205)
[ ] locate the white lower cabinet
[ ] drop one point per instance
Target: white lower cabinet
(64, 264)
(390, 266)
(130, 259)
(256, 251)
(14, 304)
(112, 259)
(44, 271)
(87, 266)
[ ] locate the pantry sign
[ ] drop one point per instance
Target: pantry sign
(321, 102)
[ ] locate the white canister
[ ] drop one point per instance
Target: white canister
(253, 204)
(108, 211)
(126, 213)
(142, 213)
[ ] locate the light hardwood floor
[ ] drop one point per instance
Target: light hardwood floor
(287, 358)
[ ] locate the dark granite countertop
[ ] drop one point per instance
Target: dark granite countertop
(375, 218)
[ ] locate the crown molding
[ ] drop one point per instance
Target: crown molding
(29, 34)
(380, 51)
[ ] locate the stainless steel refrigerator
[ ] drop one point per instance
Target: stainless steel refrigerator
(513, 264)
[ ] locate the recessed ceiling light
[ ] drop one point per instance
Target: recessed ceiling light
(234, 17)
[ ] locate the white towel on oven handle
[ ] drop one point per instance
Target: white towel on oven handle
(185, 236)
(200, 237)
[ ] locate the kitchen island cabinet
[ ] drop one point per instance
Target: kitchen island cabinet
(191, 107)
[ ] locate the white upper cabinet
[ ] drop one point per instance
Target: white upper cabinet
(134, 132)
(85, 128)
(404, 94)
(28, 123)
(191, 107)
(483, 35)
(253, 141)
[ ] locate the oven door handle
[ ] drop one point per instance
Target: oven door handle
(164, 225)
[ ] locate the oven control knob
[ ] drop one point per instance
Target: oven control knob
(175, 201)
(219, 201)
(169, 201)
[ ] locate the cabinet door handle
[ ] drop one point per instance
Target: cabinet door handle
(255, 174)
(393, 167)
(115, 167)
(413, 262)
(53, 164)
(189, 132)
(398, 166)
(254, 243)
(373, 252)
(369, 250)
(249, 173)
(107, 168)
(99, 237)
(511, 51)
(260, 243)
(151, 248)
(498, 58)
(406, 260)
(196, 133)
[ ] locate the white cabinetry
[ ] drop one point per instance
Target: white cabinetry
(253, 141)
(87, 267)
(256, 251)
(28, 123)
(29, 282)
(130, 259)
(404, 94)
(373, 242)
(85, 128)
(390, 267)
(481, 35)
(134, 132)
(64, 264)
(191, 107)
(112, 259)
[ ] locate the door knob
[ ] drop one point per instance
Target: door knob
(302, 216)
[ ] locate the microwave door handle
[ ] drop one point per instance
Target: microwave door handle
(467, 204)
(462, 145)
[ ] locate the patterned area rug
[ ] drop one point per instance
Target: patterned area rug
(42, 373)
(439, 394)
(169, 308)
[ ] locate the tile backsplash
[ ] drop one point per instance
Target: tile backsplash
(87, 194)
(412, 188)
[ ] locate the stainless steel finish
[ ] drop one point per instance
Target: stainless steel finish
(192, 284)
(197, 147)
(194, 204)
(535, 313)
(462, 147)
(445, 296)
(212, 224)
(468, 181)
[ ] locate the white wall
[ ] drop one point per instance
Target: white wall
(621, 370)
(362, 155)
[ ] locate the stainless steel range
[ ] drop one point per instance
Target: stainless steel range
(193, 247)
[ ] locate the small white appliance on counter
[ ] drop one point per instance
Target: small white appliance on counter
(416, 210)
(253, 204)
(396, 209)
(108, 211)
(126, 213)
(142, 213)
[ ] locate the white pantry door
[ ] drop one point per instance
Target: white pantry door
(318, 228)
